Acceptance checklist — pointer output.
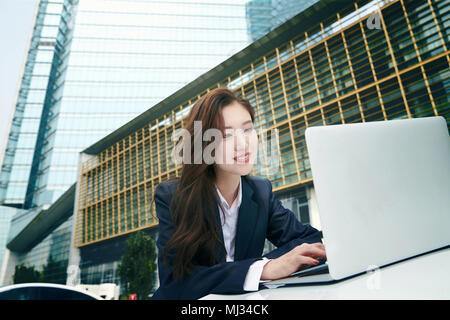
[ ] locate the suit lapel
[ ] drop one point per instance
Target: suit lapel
(220, 253)
(248, 215)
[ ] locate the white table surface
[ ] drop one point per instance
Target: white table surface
(422, 277)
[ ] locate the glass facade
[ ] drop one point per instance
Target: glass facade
(100, 261)
(6, 215)
(51, 255)
(265, 15)
(122, 58)
(20, 147)
(92, 66)
(340, 70)
(39, 193)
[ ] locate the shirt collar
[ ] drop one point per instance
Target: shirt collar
(236, 202)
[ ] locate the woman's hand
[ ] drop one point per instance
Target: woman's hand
(304, 254)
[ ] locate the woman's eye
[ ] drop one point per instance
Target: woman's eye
(246, 131)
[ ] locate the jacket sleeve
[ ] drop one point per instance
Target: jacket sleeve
(222, 278)
(284, 230)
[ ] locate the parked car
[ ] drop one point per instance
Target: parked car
(44, 291)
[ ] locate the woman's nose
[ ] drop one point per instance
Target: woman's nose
(241, 140)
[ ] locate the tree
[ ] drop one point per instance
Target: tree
(54, 272)
(136, 269)
(24, 274)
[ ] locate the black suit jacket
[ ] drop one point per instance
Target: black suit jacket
(261, 216)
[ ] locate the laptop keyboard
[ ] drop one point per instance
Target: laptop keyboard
(319, 269)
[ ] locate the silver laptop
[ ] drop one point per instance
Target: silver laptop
(383, 193)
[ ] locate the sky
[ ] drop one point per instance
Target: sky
(16, 21)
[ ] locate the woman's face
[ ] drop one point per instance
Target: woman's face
(237, 151)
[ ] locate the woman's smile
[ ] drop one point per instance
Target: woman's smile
(242, 158)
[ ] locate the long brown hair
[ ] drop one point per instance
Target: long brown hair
(197, 232)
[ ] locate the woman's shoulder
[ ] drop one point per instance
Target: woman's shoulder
(256, 179)
(168, 186)
(260, 183)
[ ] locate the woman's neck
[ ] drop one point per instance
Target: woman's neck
(228, 185)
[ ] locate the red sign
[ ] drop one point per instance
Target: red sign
(132, 296)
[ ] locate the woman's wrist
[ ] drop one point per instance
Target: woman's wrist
(268, 270)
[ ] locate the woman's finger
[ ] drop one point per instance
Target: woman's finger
(319, 245)
(313, 252)
(308, 260)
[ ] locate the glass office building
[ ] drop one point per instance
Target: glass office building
(126, 56)
(40, 239)
(93, 65)
(331, 64)
(336, 70)
(47, 48)
(24, 126)
(6, 215)
(265, 15)
(335, 62)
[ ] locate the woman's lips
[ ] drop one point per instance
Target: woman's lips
(242, 158)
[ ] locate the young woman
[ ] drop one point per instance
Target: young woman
(214, 219)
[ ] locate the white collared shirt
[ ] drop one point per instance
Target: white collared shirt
(230, 223)
(229, 237)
